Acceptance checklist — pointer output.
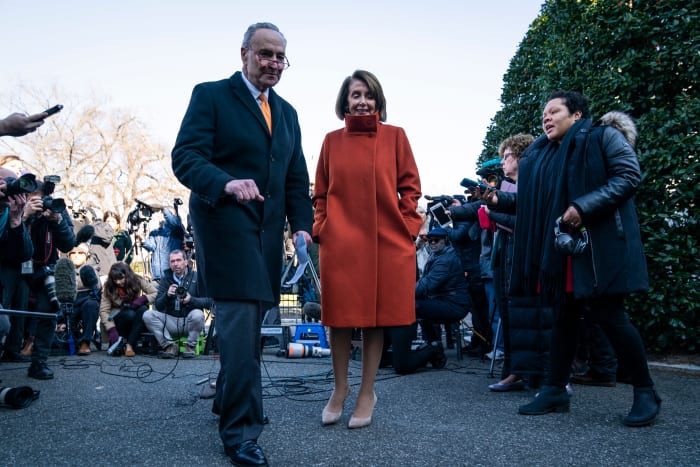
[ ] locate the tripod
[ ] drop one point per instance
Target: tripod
(65, 336)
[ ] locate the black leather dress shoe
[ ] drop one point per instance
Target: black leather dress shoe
(247, 453)
(39, 370)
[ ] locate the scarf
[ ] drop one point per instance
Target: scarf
(542, 198)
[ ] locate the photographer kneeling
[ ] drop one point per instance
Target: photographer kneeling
(178, 308)
(442, 294)
(86, 308)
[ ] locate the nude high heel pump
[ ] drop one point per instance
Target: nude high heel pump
(357, 422)
(330, 418)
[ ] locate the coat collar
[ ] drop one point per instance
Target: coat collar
(362, 123)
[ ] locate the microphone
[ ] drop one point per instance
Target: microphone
(89, 278)
(66, 288)
(113, 348)
(85, 234)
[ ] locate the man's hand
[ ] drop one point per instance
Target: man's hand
(17, 204)
(187, 299)
(18, 124)
(54, 217)
(34, 205)
(171, 290)
(489, 196)
(243, 190)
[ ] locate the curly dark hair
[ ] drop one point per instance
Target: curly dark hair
(132, 285)
(517, 143)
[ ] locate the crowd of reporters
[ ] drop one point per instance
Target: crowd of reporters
(68, 286)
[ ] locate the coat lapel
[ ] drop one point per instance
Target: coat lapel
(240, 90)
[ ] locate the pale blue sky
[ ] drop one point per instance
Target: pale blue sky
(441, 62)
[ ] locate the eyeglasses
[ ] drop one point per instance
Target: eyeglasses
(266, 57)
(435, 240)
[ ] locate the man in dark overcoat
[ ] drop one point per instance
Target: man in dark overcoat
(239, 151)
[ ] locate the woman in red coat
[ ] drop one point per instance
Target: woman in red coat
(366, 194)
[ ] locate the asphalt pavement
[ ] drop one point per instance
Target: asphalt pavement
(101, 410)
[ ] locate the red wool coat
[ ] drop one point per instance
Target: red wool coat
(366, 194)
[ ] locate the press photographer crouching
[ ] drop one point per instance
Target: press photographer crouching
(125, 298)
(86, 308)
(442, 294)
(51, 231)
(178, 308)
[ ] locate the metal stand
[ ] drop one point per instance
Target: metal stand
(495, 344)
(29, 314)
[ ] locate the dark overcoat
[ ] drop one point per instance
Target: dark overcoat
(223, 137)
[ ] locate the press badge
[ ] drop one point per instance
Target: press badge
(28, 267)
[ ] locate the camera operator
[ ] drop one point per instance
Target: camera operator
(15, 248)
(178, 308)
(51, 231)
(480, 275)
(169, 236)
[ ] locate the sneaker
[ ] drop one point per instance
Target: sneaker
(170, 351)
(39, 370)
(190, 351)
(499, 355)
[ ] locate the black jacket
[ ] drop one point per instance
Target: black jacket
(443, 279)
(223, 137)
(602, 176)
(49, 238)
(15, 245)
(166, 304)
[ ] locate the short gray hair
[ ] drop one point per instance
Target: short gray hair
(248, 36)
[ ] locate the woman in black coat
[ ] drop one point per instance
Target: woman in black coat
(581, 177)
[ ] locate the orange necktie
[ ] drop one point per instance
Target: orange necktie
(265, 107)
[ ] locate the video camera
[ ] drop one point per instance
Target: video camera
(142, 213)
(24, 184)
(445, 200)
(470, 184)
(47, 189)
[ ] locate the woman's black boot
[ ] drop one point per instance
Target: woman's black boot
(549, 399)
(645, 407)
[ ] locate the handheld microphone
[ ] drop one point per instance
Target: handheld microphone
(66, 288)
(113, 348)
